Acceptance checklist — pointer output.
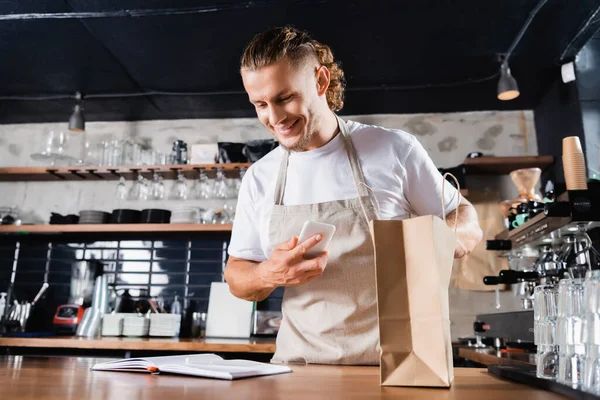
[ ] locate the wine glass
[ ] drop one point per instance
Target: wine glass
(237, 183)
(221, 187)
(180, 188)
(157, 189)
(203, 187)
(139, 189)
(121, 189)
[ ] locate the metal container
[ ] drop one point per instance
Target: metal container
(83, 275)
(266, 323)
(180, 152)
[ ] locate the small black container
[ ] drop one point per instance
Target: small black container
(257, 149)
(58, 219)
(125, 216)
(231, 152)
(155, 216)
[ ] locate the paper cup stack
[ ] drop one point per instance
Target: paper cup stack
(574, 164)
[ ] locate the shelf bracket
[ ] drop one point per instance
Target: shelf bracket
(53, 173)
(114, 172)
(93, 173)
(77, 174)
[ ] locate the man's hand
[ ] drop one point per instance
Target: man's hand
(287, 266)
(468, 232)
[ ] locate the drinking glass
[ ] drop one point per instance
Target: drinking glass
(54, 149)
(121, 189)
(180, 188)
(157, 188)
(128, 156)
(203, 187)
(569, 329)
(237, 183)
(106, 153)
(591, 332)
(229, 213)
(221, 186)
(139, 189)
(544, 314)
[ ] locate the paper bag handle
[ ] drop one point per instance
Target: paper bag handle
(458, 199)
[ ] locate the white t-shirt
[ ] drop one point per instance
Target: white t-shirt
(395, 165)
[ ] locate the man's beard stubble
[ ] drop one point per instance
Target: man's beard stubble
(305, 140)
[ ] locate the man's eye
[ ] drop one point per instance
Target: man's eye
(288, 98)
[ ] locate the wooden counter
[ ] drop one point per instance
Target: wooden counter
(70, 378)
(266, 345)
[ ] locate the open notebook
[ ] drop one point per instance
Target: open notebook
(202, 365)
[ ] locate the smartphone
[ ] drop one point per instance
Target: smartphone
(312, 228)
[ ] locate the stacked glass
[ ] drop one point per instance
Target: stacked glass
(591, 332)
(545, 310)
(569, 332)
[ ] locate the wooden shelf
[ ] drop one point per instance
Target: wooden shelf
(475, 166)
(113, 228)
(92, 173)
(266, 345)
(505, 165)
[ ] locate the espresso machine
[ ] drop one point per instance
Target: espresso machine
(558, 243)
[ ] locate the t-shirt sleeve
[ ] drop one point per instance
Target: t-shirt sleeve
(423, 183)
(245, 237)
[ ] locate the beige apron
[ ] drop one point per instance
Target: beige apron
(332, 319)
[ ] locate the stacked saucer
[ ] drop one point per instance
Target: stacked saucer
(93, 217)
(185, 215)
(165, 325)
(134, 325)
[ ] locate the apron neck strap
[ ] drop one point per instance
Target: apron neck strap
(357, 173)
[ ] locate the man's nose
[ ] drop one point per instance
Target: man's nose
(276, 115)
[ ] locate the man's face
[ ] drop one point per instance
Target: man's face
(286, 99)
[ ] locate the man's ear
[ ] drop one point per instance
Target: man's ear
(323, 79)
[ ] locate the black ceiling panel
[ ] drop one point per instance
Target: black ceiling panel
(398, 56)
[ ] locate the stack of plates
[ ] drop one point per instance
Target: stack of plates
(134, 325)
(155, 216)
(165, 325)
(93, 217)
(112, 324)
(185, 215)
(125, 216)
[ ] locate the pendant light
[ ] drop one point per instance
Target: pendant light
(508, 89)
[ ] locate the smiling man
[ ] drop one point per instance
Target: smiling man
(321, 172)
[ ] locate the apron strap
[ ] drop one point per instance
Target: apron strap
(357, 173)
(281, 178)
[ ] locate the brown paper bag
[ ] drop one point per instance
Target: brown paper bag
(413, 262)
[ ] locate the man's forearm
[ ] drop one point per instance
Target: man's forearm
(468, 232)
(243, 280)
